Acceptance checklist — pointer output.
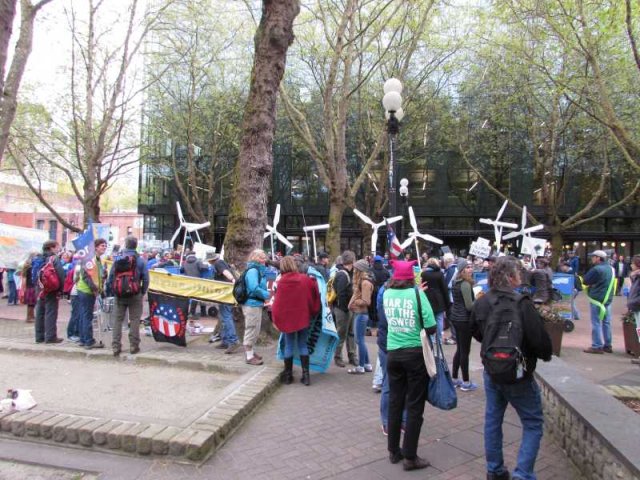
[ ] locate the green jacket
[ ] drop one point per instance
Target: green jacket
(83, 286)
(401, 310)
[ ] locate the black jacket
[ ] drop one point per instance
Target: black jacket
(380, 274)
(437, 291)
(535, 339)
(344, 288)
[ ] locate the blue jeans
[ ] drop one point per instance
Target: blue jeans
(13, 293)
(360, 321)
(299, 339)
(228, 327)
(525, 398)
(86, 303)
(73, 327)
(600, 329)
(574, 310)
(439, 323)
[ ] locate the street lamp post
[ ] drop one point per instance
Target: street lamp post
(404, 195)
(392, 103)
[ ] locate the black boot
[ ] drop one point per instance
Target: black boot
(287, 374)
(304, 360)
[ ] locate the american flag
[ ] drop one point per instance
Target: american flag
(168, 318)
(395, 250)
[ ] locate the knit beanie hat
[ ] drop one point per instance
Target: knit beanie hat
(403, 270)
(361, 265)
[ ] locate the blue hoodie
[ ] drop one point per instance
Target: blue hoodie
(256, 282)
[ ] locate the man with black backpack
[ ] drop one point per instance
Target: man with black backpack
(48, 276)
(513, 338)
(128, 281)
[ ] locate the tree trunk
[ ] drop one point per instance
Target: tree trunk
(556, 247)
(248, 209)
(336, 211)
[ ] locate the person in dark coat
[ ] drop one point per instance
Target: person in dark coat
(437, 291)
(47, 305)
(380, 276)
(296, 300)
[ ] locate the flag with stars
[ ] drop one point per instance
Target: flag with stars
(395, 250)
(168, 318)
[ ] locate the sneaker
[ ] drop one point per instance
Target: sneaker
(468, 386)
(635, 361)
(74, 339)
(234, 348)
(255, 355)
(456, 382)
(593, 350)
(449, 341)
(499, 476)
(607, 349)
(339, 362)
(254, 361)
(54, 340)
(94, 345)
(368, 367)
(356, 371)
(222, 346)
(214, 338)
(385, 432)
(377, 388)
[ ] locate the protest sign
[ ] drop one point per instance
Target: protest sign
(480, 248)
(17, 242)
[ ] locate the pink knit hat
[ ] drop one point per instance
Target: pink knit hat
(403, 270)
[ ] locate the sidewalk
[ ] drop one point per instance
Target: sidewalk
(331, 429)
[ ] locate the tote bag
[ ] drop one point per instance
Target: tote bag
(441, 392)
(427, 351)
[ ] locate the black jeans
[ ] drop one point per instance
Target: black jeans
(408, 382)
(463, 347)
(47, 318)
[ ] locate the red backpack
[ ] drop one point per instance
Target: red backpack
(127, 282)
(68, 281)
(48, 279)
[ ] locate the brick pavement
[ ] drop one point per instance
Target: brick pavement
(331, 429)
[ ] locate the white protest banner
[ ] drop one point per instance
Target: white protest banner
(480, 248)
(533, 246)
(17, 242)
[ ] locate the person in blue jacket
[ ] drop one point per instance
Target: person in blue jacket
(256, 283)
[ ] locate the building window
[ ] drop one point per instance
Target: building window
(40, 224)
(53, 229)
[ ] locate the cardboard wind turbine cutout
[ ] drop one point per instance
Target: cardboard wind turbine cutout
(188, 228)
(271, 232)
(498, 225)
(312, 229)
(530, 245)
(415, 235)
(375, 227)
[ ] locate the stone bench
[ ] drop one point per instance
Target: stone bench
(598, 433)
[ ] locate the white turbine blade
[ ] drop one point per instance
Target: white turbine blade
(283, 239)
(488, 221)
(535, 228)
(429, 238)
(524, 216)
(269, 231)
(363, 217)
(412, 220)
(180, 216)
(505, 224)
(311, 228)
(511, 235)
(192, 227)
(266, 235)
(276, 216)
(374, 239)
(502, 209)
(394, 219)
(408, 241)
(175, 235)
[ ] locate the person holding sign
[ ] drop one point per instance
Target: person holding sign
(600, 281)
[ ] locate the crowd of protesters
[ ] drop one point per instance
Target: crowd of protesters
(372, 294)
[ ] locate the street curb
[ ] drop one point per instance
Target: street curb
(192, 444)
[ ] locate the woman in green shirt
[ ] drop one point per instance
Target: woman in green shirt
(406, 371)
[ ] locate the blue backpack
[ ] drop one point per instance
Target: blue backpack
(36, 265)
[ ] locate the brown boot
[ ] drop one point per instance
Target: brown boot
(31, 317)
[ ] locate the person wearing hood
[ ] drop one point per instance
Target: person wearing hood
(380, 276)
(463, 299)
(437, 292)
(192, 267)
(297, 299)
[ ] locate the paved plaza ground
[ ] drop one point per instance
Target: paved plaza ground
(328, 430)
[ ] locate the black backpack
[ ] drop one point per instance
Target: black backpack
(502, 355)
(240, 292)
(126, 282)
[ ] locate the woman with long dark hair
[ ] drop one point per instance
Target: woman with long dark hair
(463, 299)
(407, 310)
(359, 305)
